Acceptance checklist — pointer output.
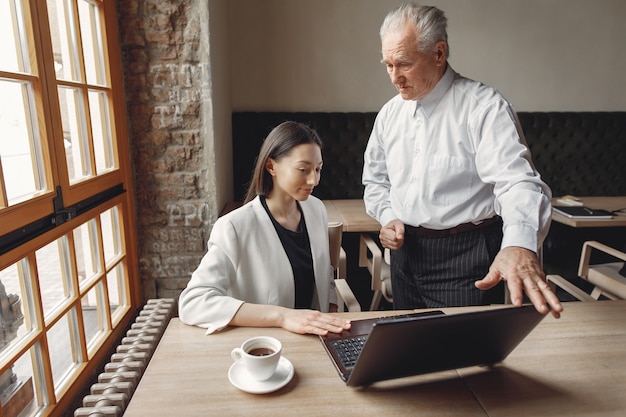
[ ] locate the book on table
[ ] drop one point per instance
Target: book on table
(582, 212)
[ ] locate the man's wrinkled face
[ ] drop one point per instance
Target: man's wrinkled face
(413, 73)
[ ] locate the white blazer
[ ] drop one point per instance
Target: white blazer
(246, 262)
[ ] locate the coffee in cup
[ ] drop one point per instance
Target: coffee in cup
(262, 351)
(259, 356)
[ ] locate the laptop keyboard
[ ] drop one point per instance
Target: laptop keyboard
(348, 350)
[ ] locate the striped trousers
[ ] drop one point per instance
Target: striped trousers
(434, 272)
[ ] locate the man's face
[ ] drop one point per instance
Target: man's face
(413, 73)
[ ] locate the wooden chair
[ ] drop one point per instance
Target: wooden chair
(605, 277)
(378, 265)
(337, 253)
(338, 262)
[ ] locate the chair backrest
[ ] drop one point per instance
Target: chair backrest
(338, 262)
(606, 277)
(335, 234)
(377, 263)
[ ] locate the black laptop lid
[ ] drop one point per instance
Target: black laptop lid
(410, 346)
(363, 327)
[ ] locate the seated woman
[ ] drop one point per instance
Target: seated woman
(268, 262)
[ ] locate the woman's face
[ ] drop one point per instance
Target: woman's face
(297, 173)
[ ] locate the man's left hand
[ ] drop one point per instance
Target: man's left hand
(521, 270)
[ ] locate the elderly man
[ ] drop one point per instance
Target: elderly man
(448, 175)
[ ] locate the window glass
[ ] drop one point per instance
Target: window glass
(23, 384)
(91, 36)
(64, 34)
(20, 150)
(13, 53)
(76, 144)
(111, 235)
(117, 288)
(87, 247)
(93, 321)
(101, 133)
(63, 355)
(52, 276)
(15, 323)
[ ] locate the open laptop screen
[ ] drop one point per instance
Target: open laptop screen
(435, 342)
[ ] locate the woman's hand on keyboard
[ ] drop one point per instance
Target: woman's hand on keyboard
(313, 322)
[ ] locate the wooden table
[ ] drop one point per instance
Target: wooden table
(352, 214)
(605, 203)
(573, 366)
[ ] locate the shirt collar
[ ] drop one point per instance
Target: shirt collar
(433, 98)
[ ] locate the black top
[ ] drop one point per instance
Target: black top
(298, 249)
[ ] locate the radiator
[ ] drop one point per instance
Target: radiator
(109, 396)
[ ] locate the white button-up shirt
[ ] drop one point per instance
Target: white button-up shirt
(457, 156)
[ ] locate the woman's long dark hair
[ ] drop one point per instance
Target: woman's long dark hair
(278, 144)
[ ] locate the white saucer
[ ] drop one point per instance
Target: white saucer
(240, 378)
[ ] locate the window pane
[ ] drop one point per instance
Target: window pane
(64, 45)
(18, 391)
(101, 133)
(117, 288)
(75, 134)
(13, 53)
(17, 382)
(20, 148)
(53, 280)
(12, 301)
(111, 235)
(62, 353)
(87, 247)
(91, 35)
(93, 322)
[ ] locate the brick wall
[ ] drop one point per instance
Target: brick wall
(165, 59)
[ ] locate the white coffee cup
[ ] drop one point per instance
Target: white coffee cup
(259, 356)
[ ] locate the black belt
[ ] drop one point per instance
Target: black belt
(465, 227)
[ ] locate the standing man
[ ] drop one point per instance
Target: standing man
(449, 177)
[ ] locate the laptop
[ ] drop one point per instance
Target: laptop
(417, 343)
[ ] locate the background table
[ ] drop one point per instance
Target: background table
(604, 203)
(351, 213)
(573, 366)
(562, 247)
